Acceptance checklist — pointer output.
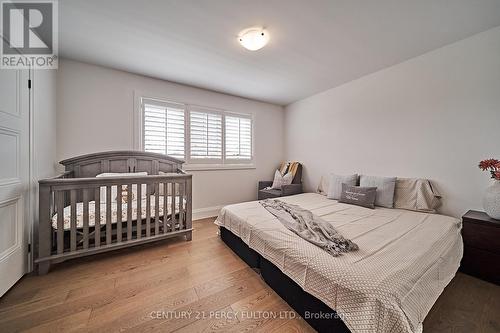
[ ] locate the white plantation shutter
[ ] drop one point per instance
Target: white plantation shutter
(238, 138)
(198, 134)
(164, 128)
(205, 136)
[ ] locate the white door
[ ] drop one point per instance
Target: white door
(14, 175)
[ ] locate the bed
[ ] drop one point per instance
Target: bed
(111, 200)
(405, 260)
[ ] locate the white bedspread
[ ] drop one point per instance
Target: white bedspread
(404, 261)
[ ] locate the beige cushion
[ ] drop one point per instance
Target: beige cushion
(280, 180)
(417, 195)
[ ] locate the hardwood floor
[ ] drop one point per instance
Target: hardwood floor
(193, 287)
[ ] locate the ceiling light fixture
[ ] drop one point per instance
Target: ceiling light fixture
(254, 38)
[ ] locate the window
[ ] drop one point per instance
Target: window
(203, 137)
(164, 128)
(238, 138)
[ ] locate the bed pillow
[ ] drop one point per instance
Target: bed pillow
(114, 192)
(358, 195)
(335, 184)
(323, 185)
(416, 194)
(385, 189)
(280, 180)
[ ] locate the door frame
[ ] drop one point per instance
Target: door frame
(32, 188)
(16, 259)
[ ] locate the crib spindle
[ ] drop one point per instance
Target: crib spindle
(157, 209)
(148, 211)
(97, 219)
(173, 219)
(119, 213)
(189, 207)
(139, 212)
(73, 220)
(108, 215)
(129, 212)
(165, 207)
(60, 221)
(85, 218)
(181, 206)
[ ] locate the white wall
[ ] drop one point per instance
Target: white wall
(95, 109)
(44, 137)
(433, 116)
(44, 131)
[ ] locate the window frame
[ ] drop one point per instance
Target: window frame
(160, 103)
(202, 161)
(190, 163)
(240, 160)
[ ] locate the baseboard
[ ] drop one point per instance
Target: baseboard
(202, 213)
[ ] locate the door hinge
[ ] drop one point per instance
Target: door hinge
(29, 83)
(29, 248)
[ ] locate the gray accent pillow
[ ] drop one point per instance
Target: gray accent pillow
(385, 189)
(357, 195)
(335, 184)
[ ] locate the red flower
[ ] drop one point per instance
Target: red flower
(489, 164)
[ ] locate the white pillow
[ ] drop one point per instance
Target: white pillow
(280, 180)
(114, 192)
(323, 185)
(121, 174)
(335, 184)
(385, 189)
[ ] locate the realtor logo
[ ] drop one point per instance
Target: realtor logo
(29, 34)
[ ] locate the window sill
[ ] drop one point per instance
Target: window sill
(207, 167)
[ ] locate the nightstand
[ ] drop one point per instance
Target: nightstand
(481, 235)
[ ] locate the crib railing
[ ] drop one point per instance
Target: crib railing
(90, 230)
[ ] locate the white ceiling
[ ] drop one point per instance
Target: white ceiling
(315, 44)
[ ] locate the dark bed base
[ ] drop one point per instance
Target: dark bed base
(314, 311)
(248, 255)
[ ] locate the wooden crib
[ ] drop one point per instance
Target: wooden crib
(81, 214)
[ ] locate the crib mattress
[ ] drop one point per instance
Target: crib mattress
(114, 212)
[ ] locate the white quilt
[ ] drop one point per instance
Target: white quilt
(404, 261)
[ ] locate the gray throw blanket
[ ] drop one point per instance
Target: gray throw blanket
(310, 227)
